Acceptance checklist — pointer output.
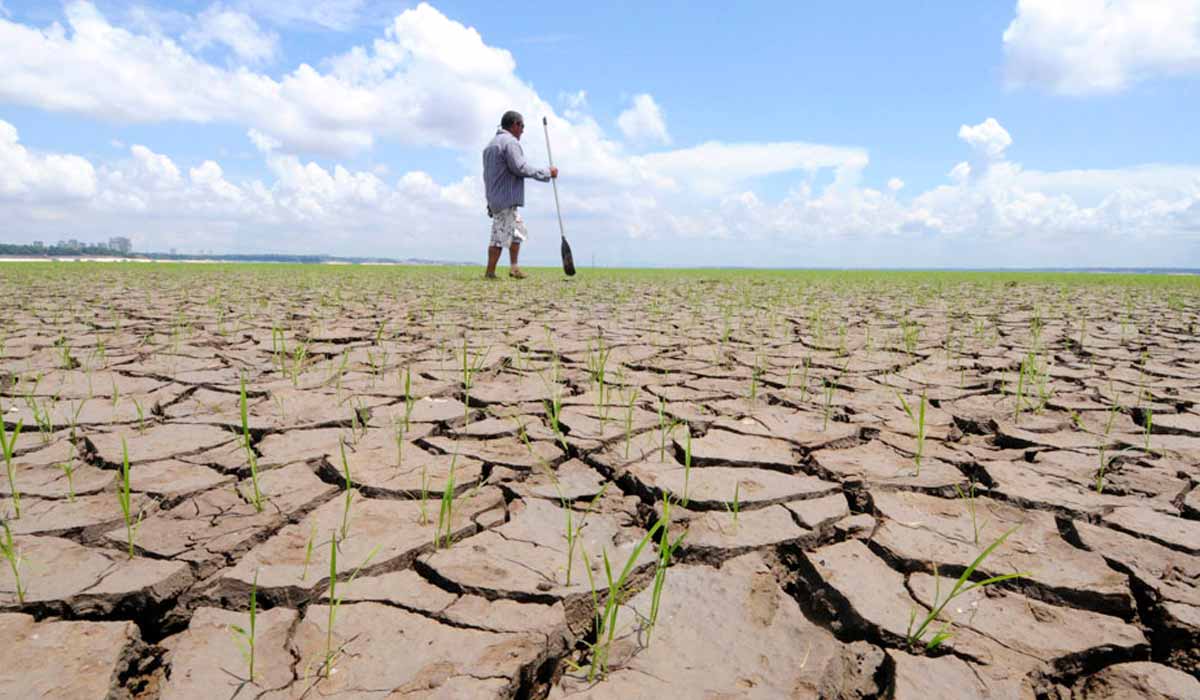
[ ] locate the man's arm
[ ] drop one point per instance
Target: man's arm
(514, 156)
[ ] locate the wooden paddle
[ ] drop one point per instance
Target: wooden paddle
(567, 258)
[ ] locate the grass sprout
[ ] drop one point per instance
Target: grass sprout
(126, 501)
(961, 586)
(13, 556)
(335, 601)
(349, 490)
(246, 637)
(8, 445)
(666, 550)
(968, 499)
(445, 527)
(918, 420)
(734, 507)
(257, 498)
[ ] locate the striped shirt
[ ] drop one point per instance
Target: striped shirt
(505, 170)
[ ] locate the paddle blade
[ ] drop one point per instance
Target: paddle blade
(568, 259)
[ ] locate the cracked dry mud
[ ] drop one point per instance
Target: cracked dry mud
(778, 414)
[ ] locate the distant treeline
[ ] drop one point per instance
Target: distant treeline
(50, 251)
(103, 250)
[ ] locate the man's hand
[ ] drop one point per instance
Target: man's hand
(553, 172)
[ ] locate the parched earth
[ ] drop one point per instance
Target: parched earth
(434, 486)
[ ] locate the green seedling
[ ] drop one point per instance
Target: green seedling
(246, 638)
(423, 518)
(1019, 396)
(597, 364)
(960, 587)
(918, 421)
(471, 366)
(335, 601)
(8, 444)
(398, 435)
(308, 550)
(349, 485)
(445, 526)
(574, 529)
(126, 500)
(687, 462)
(666, 550)
(606, 615)
(68, 470)
(408, 397)
(735, 507)
(9, 551)
(804, 380)
(251, 458)
(141, 416)
(968, 498)
(339, 372)
(633, 392)
(662, 428)
(41, 416)
(830, 388)
(554, 409)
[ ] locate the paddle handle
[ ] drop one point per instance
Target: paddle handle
(553, 181)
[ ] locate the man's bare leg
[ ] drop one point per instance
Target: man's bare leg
(514, 251)
(493, 259)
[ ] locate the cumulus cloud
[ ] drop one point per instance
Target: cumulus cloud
(236, 30)
(35, 177)
(988, 138)
(644, 121)
(1080, 47)
(430, 81)
(895, 184)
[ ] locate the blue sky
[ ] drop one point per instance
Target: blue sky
(854, 134)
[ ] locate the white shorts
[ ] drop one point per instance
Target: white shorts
(507, 228)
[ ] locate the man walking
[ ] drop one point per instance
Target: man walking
(504, 173)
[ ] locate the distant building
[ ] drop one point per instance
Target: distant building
(120, 244)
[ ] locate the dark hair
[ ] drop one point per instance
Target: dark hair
(510, 117)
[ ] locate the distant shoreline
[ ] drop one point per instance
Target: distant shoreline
(322, 260)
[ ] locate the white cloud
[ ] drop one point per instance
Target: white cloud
(429, 82)
(644, 122)
(988, 138)
(157, 168)
(895, 184)
(236, 30)
(989, 141)
(339, 15)
(577, 100)
(1080, 47)
(34, 177)
(263, 142)
(714, 167)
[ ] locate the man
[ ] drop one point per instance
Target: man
(504, 173)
